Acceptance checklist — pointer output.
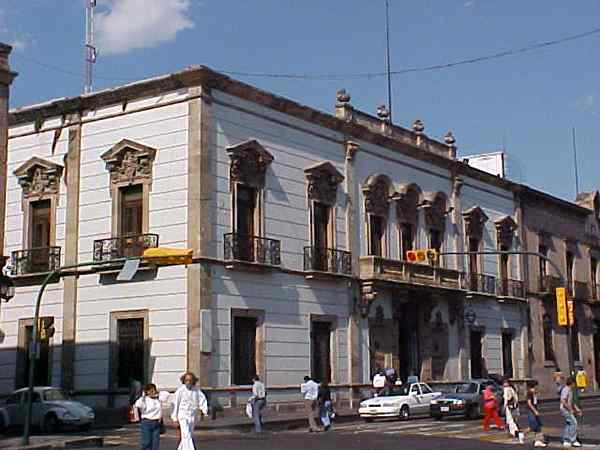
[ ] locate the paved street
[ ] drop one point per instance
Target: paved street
(455, 433)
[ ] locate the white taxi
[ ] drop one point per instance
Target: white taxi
(400, 402)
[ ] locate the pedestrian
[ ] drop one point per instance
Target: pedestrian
(258, 401)
(188, 400)
(325, 405)
(559, 381)
(568, 409)
(490, 409)
(379, 382)
(533, 415)
(511, 410)
(150, 407)
(310, 390)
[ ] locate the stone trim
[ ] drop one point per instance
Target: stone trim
(505, 229)
(378, 191)
(323, 180)
(249, 163)
(260, 344)
(435, 206)
(474, 219)
(70, 289)
(115, 316)
(129, 162)
(408, 198)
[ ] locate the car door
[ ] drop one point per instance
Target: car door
(416, 398)
(38, 410)
(427, 393)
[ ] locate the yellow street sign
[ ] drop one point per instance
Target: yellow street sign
(571, 312)
(561, 306)
(168, 256)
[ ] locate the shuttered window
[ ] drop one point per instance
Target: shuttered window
(132, 210)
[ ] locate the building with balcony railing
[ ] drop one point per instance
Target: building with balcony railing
(299, 222)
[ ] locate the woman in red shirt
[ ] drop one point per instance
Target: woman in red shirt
(490, 408)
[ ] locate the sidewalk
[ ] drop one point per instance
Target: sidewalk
(52, 442)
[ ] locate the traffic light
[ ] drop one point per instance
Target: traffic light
(422, 255)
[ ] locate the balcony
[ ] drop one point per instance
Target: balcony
(477, 282)
(374, 267)
(251, 250)
(35, 261)
(511, 288)
(327, 261)
(107, 250)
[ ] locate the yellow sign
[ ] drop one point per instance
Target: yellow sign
(571, 312)
(561, 306)
(168, 256)
(581, 379)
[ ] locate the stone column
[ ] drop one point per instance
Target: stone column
(524, 273)
(355, 359)
(72, 164)
(6, 78)
(199, 236)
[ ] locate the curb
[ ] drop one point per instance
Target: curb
(93, 441)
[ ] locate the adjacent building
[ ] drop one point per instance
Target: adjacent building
(300, 223)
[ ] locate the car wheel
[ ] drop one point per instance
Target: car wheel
(404, 413)
(86, 427)
(51, 424)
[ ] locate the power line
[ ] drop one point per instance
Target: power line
(349, 76)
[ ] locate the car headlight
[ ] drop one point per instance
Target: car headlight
(459, 402)
(434, 402)
(363, 405)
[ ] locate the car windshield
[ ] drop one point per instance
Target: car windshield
(466, 388)
(396, 390)
(52, 395)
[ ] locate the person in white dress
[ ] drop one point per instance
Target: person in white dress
(188, 400)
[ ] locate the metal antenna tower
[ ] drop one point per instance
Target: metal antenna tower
(387, 56)
(90, 50)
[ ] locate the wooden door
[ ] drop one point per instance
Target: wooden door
(321, 351)
(244, 350)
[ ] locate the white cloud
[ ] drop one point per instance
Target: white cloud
(126, 25)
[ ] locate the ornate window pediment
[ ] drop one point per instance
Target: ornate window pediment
(435, 210)
(129, 162)
(39, 177)
(408, 200)
(378, 192)
(249, 162)
(323, 180)
(475, 220)
(505, 227)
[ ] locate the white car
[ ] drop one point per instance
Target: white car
(402, 402)
(51, 410)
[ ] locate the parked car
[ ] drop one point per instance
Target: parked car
(51, 410)
(464, 399)
(400, 402)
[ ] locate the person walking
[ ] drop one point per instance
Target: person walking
(379, 382)
(258, 401)
(490, 409)
(325, 405)
(188, 400)
(568, 409)
(150, 408)
(511, 410)
(310, 390)
(533, 415)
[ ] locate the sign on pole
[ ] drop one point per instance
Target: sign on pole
(571, 312)
(561, 306)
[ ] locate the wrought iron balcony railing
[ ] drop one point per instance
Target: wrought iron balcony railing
(254, 249)
(35, 260)
(511, 288)
(327, 260)
(477, 282)
(106, 250)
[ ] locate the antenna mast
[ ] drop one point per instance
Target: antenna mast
(90, 50)
(575, 162)
(387, 57)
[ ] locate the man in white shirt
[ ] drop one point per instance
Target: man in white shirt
(310, 390)
(258, 400)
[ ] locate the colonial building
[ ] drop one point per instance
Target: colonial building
(567, 233)
(299, 221)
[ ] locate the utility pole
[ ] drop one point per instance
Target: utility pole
(575, 162)
(387, 57)
(90, 50)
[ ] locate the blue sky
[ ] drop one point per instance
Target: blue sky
(529, 101)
